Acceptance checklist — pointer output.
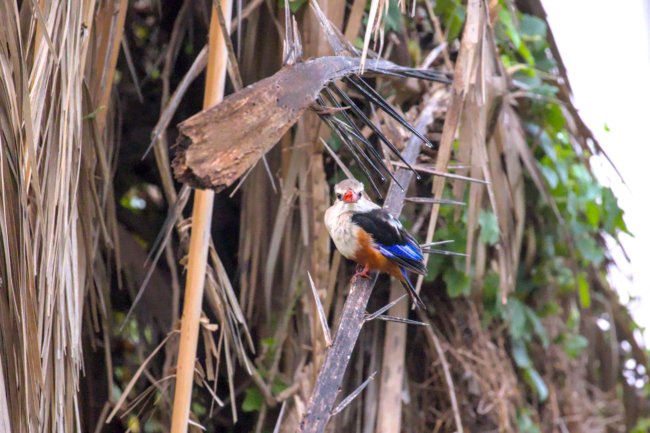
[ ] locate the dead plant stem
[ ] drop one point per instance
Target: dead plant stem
(338, 355)
(199, 240)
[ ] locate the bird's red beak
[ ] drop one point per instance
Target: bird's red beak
(348, 197)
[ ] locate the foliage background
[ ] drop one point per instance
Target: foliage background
(526, 334)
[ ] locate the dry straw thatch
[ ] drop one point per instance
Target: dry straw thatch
(57, 158)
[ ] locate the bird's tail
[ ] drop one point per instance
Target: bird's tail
(415, 298)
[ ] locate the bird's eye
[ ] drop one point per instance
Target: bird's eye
(338, 196)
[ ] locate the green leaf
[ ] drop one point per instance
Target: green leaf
(505, 18)
(642, 426)
(525, 424)
(532, 26)
(583, 291)
(141, 32)
(457, 282)
(511, 31)
(394, 18)
(549, 309)
(574, 344)
(536, 382)
(278, 386)
(591, 252)
(253, 400)
(520, 354)
(545, 89)
(415, 52)
(455, 23)
(550, 175)
(268, 343)
(487, 220)
(620, 224)
(562, 169)
(612, 215)
(334, 143)
(573, 321)
(453, 16)
(592, 211)
(546, 63)
(565, 279)
(527, 78)
(555, 117)
(526, 54)
(294, 5)
(517, 319)
(199, 409)
(581, 173)
(537, 325)
(491, 296)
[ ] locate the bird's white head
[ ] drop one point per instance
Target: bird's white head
(348, 191)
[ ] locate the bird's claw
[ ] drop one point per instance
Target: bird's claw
(363, 275)
(362, 272)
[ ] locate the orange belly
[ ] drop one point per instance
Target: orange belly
(369, 256)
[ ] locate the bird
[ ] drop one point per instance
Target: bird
(369, 235)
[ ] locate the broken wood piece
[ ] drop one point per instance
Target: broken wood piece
(218, 145)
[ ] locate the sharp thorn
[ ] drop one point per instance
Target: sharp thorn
(347, 400)
(433, 200)
(401, 320)
(383, 309)
(353, 151)
(371, 125)
(375, 97)
(431, 244)
(442, 252)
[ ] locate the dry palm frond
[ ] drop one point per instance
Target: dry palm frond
(220, 144)
(56, 161)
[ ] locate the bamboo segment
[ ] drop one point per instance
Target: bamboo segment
(389, 412)
(198, 251)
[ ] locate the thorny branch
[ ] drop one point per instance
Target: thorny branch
(353, 315)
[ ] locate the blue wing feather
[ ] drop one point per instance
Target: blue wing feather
(408, 251)
(407, 256)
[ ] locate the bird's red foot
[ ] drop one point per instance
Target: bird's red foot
(362, 272)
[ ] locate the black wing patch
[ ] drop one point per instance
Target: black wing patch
(392, 240)
(384, 228)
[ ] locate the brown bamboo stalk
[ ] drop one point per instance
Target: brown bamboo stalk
(389, 412)
(200, 237)
(464, 67)
(331, 373)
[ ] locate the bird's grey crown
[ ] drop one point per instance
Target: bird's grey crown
(347, 185)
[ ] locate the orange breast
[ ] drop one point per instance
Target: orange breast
(368, 255)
